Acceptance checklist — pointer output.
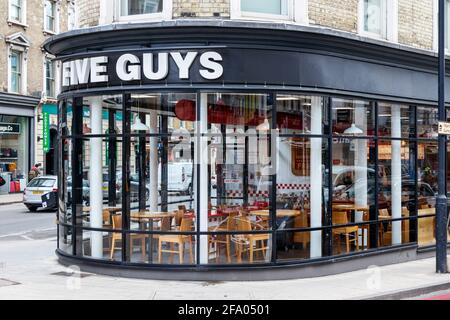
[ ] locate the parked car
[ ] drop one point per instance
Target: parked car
(36, 188)
(85, 192)
(179, 178)
(105, 185)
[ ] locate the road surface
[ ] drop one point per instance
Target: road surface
(15, 219)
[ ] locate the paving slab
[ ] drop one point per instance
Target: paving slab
(33, 265)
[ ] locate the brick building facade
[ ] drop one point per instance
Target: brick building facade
(23, 95)
(416, 19)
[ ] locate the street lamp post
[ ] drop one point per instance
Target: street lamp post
(441, 200)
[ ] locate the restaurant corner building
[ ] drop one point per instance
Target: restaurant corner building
(224, 149)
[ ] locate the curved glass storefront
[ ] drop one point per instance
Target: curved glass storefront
(242, 178)
(225, 147)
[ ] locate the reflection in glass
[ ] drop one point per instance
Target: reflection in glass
(260, 156)
(353, 117)
(353, 178)
(396, 196)
(239, 169)
(427, 122)
(427, 159)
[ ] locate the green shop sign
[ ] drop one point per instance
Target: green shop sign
(46, 131)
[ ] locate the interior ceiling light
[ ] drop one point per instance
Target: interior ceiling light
(138, 125)
(353, 130)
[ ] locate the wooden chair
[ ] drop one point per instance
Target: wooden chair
(425, 227)
(164, 226)
(117, 236)
(182, 208)
(301, 221)
(179, 239)
(179, 214)
(381, 231)
(244, 224)
(106, 217)
(229, 224)
(341, 218)
(405, 225)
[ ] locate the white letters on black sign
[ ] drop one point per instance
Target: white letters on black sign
(129, 67)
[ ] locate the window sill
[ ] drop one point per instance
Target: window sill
(142, 17)
(17, 93)
(282, 19)
(17, 23)
(48, 32)
(376, 37)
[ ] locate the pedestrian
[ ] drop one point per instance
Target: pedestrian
(34, 172)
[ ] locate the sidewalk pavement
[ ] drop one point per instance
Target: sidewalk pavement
(29, 270)
(11, 198)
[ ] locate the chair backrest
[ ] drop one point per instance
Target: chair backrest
(232, 222)
(106, 216)
(165, 223)
(182, 208)
(186, 224)
(340, 217)
(426, 211)
(117, 221)
(383, 212)
(179, 216)
(405, 212)
(301, 221)
(244, 223)
(424, 206)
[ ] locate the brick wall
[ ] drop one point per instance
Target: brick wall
(89, 12)
(201, 8)
(415, 23)
(337, 14)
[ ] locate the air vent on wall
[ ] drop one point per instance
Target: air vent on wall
(187, 14)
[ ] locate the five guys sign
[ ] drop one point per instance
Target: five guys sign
(142, 68)
(188, 67)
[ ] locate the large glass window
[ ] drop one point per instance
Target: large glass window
(15, 59)
(240, 173)
(353, 174)
(302, 175)
(243, 178)
(135, 7)
(273, 7)
(427, 170)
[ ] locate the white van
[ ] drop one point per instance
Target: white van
(179, 177)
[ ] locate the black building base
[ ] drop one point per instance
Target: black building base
(309, 269)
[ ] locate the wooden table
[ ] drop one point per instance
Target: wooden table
(110, 209)
(279, 212)
(349, 207)
(145, 215)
